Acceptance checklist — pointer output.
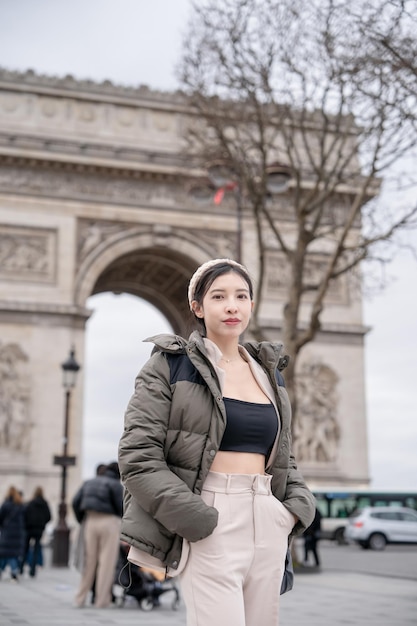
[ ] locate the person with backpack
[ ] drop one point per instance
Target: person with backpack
(98, 504)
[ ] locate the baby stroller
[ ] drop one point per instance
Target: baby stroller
(142, 584)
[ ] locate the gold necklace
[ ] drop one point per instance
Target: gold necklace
(231, 360)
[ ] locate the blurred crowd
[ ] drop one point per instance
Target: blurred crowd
(97, 506)
(22, 525)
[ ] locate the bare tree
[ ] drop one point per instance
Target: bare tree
(325, 90)
(391, 30)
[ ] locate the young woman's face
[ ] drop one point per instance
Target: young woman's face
(226, 307)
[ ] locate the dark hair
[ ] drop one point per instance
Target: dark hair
(14, 495)
(208, 278)
(114, 469)
(100, 469)
(38, 492)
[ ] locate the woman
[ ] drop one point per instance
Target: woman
(206, 463)
(12, 532)
(37, 515)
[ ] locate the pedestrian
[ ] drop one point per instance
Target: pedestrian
(212, 489)
(37, 515)
(100, 470)
(98, 504)
(312, 536)
(12, 532)
(79, 551)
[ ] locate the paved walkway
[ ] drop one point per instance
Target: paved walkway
(318, 599)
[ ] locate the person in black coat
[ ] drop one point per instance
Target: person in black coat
(12, 532)
(37, 515)
(312, 536)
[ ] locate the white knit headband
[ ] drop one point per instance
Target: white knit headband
(202, 270)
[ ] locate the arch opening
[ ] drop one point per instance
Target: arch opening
(114, 353)
(136, 295)
(158, 276)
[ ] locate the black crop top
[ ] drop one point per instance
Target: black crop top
(251, 427)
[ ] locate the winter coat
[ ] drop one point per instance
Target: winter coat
(12, 530)
(103, 494)
(314, 530)
(37, 515)
(174, 424)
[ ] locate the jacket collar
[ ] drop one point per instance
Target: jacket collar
(265, 352)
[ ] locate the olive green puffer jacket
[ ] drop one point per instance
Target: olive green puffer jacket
(174, 424)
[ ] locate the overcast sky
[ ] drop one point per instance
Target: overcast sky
(133, 42)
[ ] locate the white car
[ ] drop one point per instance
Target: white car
(374, 527)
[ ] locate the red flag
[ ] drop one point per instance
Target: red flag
(219, 195)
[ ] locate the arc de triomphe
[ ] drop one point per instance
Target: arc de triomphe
(95, 196)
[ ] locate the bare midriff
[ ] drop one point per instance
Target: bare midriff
(238, 463)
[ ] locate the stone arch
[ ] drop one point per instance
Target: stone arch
(152, 265)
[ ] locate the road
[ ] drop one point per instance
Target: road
(396, 561)
(353, 588)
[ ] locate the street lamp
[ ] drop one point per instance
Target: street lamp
(60, 546)
(223, 179)
(278, 178)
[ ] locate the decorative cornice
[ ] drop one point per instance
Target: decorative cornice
(92, 182)
(45, 308)
(327, 328)
(69, 163)
(105, 90)
(59, 149)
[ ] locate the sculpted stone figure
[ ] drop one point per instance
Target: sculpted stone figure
(318, 433)
(19, 253)
(14, 399)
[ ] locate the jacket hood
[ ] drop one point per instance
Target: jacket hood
(268, 353)
(174, 343)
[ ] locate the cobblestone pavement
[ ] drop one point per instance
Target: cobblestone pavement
(326, 598)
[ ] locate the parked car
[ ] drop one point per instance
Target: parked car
(374, 527)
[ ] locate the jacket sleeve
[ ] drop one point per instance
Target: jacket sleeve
(117, 498)
(143, 468)
(299, 500)
(47, 513)
(295, 494)
(76, 505)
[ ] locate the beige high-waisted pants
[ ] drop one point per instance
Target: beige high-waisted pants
(233, 577)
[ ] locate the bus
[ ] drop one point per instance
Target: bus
(336, 505)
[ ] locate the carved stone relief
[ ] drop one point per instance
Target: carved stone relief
(14, 399)
(92, 234)
(12, 105)
(221, 245)
(278, 277)
(69, 184)
(27, 254)
(317, 434)
(126, 119)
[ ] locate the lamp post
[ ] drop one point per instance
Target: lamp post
(224, 179)
(60, 546)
